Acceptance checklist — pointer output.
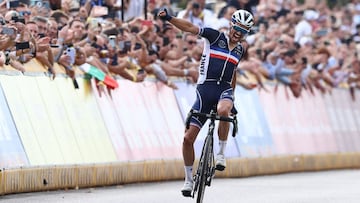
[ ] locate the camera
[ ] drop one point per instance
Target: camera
(18, 19)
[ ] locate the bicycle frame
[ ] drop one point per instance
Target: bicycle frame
(206, 167)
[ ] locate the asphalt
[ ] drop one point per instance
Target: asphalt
(337, 186)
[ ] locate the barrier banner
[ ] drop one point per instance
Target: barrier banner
(308, 118)
(254, 137)
(347, 129)
(317, 125)
(320, 125)
(172, 115)
(350, 120)
(185, 97)
(113, 122)
(13, 88)
(355, 110)
(272, 112)
(295, 123)
(86, 121)
(11, 149)
(143, 122)
(130, 107)
(32, 100)
(58, 120)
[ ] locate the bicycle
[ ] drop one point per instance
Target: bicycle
(206, 166)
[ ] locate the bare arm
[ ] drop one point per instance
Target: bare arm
(182, 24)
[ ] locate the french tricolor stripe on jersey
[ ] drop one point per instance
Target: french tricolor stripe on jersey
(223, 56)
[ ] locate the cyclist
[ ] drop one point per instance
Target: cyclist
(217, 79)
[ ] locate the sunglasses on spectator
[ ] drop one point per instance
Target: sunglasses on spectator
(191, 42)
(22, 13)
(240, 29)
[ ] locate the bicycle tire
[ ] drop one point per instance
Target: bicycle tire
(204, 161)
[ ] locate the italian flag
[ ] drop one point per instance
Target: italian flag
(99, 75)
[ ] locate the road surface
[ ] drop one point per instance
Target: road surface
(342, 186)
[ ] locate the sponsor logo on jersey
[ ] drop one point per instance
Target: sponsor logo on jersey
(222, 44)
(238, 51)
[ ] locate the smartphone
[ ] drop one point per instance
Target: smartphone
(321, 33)
(12, 4)
(41, 35)
(127, 46)
(7, 31)
(100, 11)
(112, 41)
(141, 71)
(71, 52)
(304, 60)
(114, 60)
(166, 41)
(137, 46)
(121, 45)
(258, 52)
(40, 3)
(22, 45)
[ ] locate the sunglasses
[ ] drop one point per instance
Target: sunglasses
(240, 29)
(191, 42)
(22, 13)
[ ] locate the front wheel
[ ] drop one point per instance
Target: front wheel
(205, 168)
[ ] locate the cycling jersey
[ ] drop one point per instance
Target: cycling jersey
(218, 62)
(216, 70)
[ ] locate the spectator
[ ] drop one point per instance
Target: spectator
(304, 27)
(192, 13)
(225, 19)
(281, 26)
(191, 41)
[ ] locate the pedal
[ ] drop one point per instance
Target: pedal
(220, 167)
(186, 193)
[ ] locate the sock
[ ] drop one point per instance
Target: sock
(188, 173)
(222, 146)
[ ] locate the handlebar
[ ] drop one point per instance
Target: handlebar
(213, 116)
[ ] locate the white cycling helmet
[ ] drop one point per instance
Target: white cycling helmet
(243, 19)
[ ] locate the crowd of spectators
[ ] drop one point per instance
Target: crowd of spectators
(304, 46)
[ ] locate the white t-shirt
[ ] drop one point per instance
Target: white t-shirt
(193, 19)
(209, 19)
(135, 9)
(302, 29)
